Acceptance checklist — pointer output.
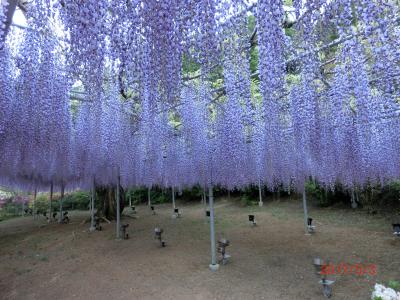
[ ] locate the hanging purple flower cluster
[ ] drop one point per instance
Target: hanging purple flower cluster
(87, 27)
(324, 102)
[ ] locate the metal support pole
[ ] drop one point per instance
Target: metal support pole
(92, 199)
(260, 202)
(118, 209)
(173, 197)
(148, 197)
(305, 210)
(51, 200)
(213, 266)
(60, 217)
(204, 199)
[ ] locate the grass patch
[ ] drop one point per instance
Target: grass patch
(223, 224)
(282, 213)
(22, 271)
(42, 257)
(73, 256)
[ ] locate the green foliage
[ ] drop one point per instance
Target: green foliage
(76, 200)
(315, 192)
(249, 196)
(290, 32)
(10, 210)
(159, 196)
(41, 203)
(251, 23)
(369, 196)
(189, 66)
(325, 197)
(378, 298)
(247, 200)
(139, 195)
(386, 195)
(394, 284)
(254, 60)
(193, 194)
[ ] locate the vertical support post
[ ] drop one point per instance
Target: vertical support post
(130, 199)
(148, 197)
(60, 217)
(204, 199)
(260, 202)
(118, 209)
(34, 203)
(92, 199)
(305, 210)
(23, 208)
(173, 197)
(51, 200)
(213, 266)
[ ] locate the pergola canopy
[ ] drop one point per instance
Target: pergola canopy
(177, 93)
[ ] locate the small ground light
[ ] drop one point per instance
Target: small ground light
(153, 210)
(208, 215)
(222, 244)
(65, 218)
(310, 226)
(97, 225)
(252, 220)
(124, 234)
(396, 229)
(28, 211)
(158, 235)
(326, 284)
(176, 213)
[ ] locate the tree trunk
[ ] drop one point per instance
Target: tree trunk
(107, 206)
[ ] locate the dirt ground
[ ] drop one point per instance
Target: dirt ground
(270, 261)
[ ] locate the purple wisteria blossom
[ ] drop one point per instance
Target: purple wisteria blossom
(168, 94)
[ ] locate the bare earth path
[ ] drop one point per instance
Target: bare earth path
(270, 261)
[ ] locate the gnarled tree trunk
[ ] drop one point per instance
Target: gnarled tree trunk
(106, 203)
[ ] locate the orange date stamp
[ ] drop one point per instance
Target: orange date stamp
(348, 269)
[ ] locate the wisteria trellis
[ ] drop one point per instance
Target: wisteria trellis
(144, 118)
